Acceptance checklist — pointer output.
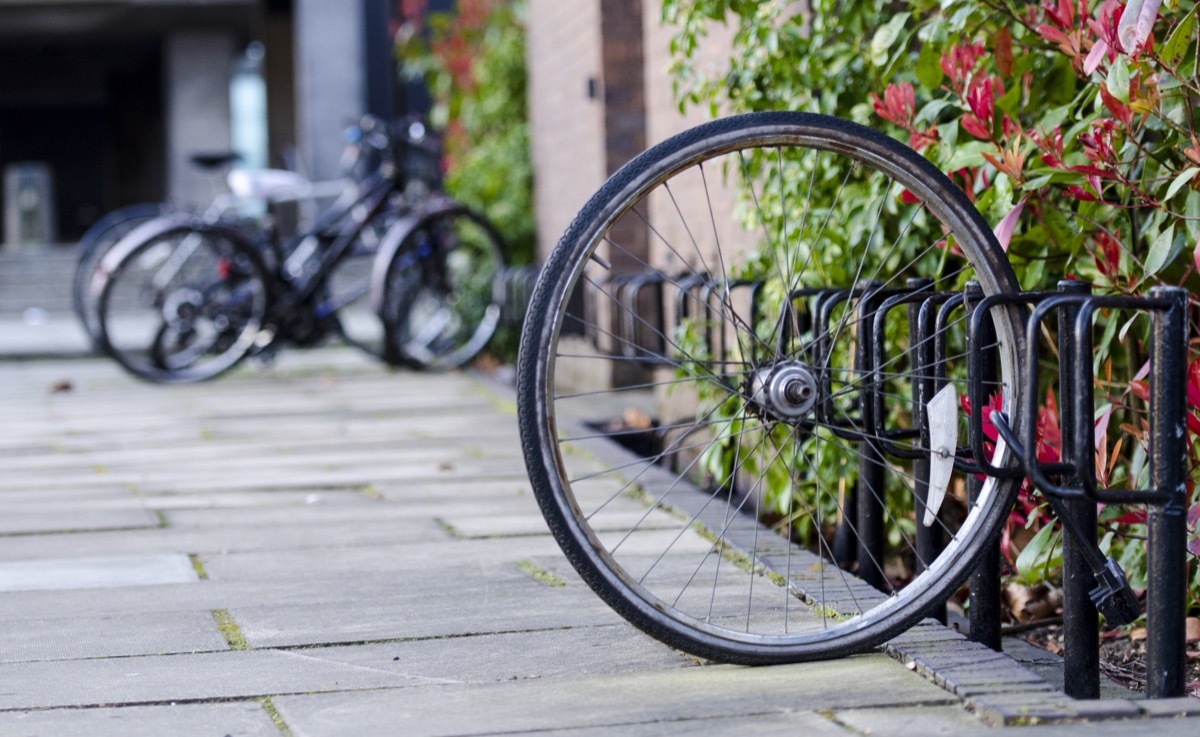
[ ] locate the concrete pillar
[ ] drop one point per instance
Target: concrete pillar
(196, 69)
(330, 80)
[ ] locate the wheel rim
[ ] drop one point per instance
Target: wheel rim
(184, 306)
(603, 530)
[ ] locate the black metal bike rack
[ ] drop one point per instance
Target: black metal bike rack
(654, 305)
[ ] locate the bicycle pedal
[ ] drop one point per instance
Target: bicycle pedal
(1114, 597)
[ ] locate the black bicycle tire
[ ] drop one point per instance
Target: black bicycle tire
(95, 241)
(544, 322)
(399, 355)
(146, 235)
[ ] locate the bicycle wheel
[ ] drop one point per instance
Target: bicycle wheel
(435, 292)
(181, 300)
(671, 390)
(348, 288)
(95, 242)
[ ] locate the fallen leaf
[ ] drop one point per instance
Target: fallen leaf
(1029, 603)
(1137, 634)
(1191, 628)
(61, 386)
(635, 419)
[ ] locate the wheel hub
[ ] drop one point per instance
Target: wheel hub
(182, 305)
(784, 391)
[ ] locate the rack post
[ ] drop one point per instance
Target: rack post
(1167, 531)
(869, 492)
(984, 596)
(1081, 624)
(929, 540)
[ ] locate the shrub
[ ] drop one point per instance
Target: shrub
(1070, 125)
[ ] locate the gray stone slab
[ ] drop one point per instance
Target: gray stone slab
(73, 637)
(453, 609)
(1171, 708)
(99, 572)
(423, 592)
(1189, 727)
(789, 724)
(550, 653)
(926, 721)
(623, 516)
(443, 555)
(237, 719)
(324, 514)
(227, 539)
(323, 498)
(234, 674)
(608, 701)
(408, 491)
(72, 518)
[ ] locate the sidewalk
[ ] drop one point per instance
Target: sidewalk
(324, 547)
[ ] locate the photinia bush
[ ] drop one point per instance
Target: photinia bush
(1070, 124)
(473, 62)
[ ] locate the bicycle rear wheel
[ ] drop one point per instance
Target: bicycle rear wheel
(183, 302)
(435, 292)
(692, 362)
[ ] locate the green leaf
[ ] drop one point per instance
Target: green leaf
(929, 67)
(968, 154)
(1036, 183)
(1191, 208)
(1118, 80)
(930, 110)
(1060, 229)
(1039, 555)
(1184, 177)
(1060, 82)
(885, 36)
(1179, 40)
(1159, 250)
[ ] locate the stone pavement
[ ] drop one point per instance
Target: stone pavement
(324, 547)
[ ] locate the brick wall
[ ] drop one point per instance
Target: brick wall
(566, 125)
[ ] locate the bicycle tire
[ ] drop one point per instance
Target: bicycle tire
(623, 519)
(95, 242)
(204, 308)
(435, 294)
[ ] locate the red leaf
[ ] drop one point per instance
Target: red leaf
(975, 127)
(1004, 52)
(1193, 423)
(1119, 109)
(1004, 230)
(1137, 22)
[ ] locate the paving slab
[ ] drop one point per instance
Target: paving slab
(432, 613)
(227, 539)
(96, 572)
(550, 653)
(609, 701)
(371, 540)
(78, 516)
(75, 637)
(788, 724)
(234, 674)
(926, 721)
(238, 719)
